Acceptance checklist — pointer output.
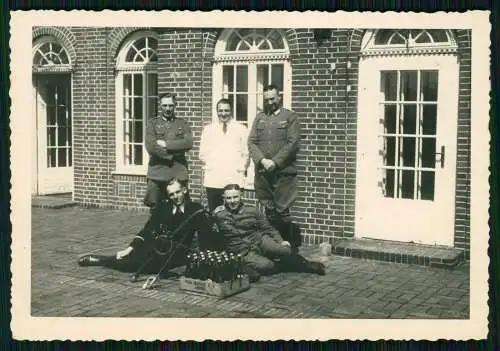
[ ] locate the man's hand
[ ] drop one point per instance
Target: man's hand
(286, 243)
(268, 164)
(162, 143)
(121, 254)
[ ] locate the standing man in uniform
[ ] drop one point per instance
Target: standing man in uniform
(247, 233)
(167, 140)
(224, 153)
(273, 145)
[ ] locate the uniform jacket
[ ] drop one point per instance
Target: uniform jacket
(242, 230)
(163, 216)
(277, 137)
(224, 155)
(170, 161)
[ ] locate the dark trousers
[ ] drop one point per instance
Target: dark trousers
(270, 257)
(149, 263)
(276, 191)
(214, 198)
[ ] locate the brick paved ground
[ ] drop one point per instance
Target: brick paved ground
(352, 288)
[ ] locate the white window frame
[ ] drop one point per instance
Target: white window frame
(51, 68)
(250, 58)
(369, 48)
(122, 69)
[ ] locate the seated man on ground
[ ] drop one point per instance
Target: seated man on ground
(246, 232)
(162, 237)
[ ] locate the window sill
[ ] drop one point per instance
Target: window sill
(130, 171)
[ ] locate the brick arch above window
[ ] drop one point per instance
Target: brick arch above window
(117, 37)
(62, 35)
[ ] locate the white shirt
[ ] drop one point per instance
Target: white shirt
(174, 209)
(224, 155)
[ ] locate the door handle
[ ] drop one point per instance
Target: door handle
(442, 154)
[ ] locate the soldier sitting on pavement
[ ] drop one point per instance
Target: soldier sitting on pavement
(248, 233)
(154, 244)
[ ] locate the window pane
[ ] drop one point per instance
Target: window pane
(61, 116)
(61, 159)
(429, 152)
(438, 35)
(389, 85)
(262, 77)
(276, 40)
(152, 85)
(138, 132)
(390, 119)
(409, 119)
(228, 78)
(427, 185)
(51, 136)
(423, 37)
(390, 153)
(152, 107)
(407, 185)
(232, 42)
(242, 108)
(383, 36)
(51, 157)
(264, 45)
(389, 183)
(62, 136)
(138, 91)
(409, 85)
(397, 38)
(429, 119)
(137, 108)
(277, 76)
(51, 115)
(429, 85)
(137, 154)
(127, 85)
(409, 152)
(241, 78)
(70, 158)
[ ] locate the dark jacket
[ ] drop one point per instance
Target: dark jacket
(242, 230)
(277, 137)
(168, 162)
(163, 219)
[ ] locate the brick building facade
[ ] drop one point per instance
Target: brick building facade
(107, 79)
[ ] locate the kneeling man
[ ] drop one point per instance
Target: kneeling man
(246, 232)
(168, 234)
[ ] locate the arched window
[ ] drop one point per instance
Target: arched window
(245, 61)
(408, 41)
(136, 99)
(50, 56)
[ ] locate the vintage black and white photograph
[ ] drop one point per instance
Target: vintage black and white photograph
(255, 173)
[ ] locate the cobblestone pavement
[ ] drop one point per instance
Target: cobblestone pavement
(352, 288)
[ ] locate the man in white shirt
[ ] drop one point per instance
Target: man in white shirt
(224, 153)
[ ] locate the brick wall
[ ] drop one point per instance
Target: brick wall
(93, 132)
(325, 100)
(462, 201)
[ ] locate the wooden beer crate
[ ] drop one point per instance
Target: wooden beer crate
(211, 288)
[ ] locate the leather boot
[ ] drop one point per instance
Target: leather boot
(291, 232)
(297, 263)
(94, 260)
